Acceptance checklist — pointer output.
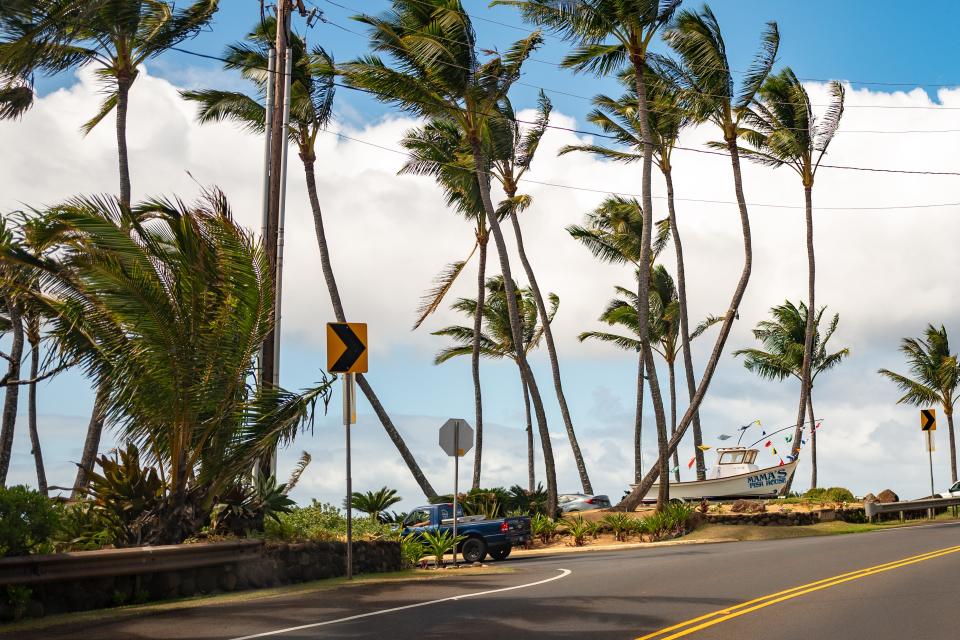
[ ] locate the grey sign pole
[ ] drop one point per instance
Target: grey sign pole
(347, 415)
(456, 478)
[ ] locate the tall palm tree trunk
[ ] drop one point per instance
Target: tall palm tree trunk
(483, 178)
(805, 382)
(91, 444)
(12, 392)
(123, 99)
(32, 418)
(673, 417)
(685, 325)
(953, 444)
(638, 426)
(327, 268)
(813, 441)
(631, 501)
(552, 353)
(531, 469)
(663, 451)
(475, 359)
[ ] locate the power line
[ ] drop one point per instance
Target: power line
(604, 135)
(636, 195)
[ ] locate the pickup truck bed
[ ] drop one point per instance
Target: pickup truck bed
(495, 536)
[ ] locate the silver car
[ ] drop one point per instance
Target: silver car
(571, 502)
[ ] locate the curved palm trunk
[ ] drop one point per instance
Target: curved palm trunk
(663, 450)
(805, 382)
(531, 469)
(638, 426)
(552, 353)
(91, 444)
(32, 419)
(813, 440)
(673, 416)
(12, 392)
(123, 98)
(335, 301)
(631, 501)
(483, 179)
(475, 360)
(953, 445)
(685, 326)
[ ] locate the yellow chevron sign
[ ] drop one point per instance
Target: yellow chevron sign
(928, 419)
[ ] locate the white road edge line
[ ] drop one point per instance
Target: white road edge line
(563, 574)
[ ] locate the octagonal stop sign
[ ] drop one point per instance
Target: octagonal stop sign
(456, 437)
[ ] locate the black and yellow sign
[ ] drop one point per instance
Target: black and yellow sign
(928, 419)
(347, 347)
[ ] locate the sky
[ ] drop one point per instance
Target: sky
(886, 271)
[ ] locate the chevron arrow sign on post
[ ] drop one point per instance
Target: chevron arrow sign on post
(347, 347)
(928, 419)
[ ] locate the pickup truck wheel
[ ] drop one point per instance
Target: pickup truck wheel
(501, 553)
(473, 549)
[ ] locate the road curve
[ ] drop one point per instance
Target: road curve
(882, 585)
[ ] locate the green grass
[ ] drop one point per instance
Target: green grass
(113, 614)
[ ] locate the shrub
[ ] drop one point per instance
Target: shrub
(438, 543)
(320, 521)
(578, 529)
(246, 506)
(375, 503)
(28, 519)
(830, 494)
(81, 527)
(411, 550)
(543, 527)
(619, 525)
(594, 528)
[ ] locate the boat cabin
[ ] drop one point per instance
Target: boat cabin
(733, 461)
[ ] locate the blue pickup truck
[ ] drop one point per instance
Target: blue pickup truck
(496, 536)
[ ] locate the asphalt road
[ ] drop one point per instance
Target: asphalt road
(803, 589)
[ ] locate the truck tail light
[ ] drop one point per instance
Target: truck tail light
(504, 528)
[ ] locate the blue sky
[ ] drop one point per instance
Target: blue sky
(877, 41)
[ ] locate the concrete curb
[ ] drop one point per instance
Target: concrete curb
(536, 553)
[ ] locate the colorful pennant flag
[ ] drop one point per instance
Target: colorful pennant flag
(723, 436)
(781, 463)
(774, 451)
(789, 438)
(764, 433)
(704, 447)
(675, 469)
(692, 460)
(769, 443)
(803, 442)
(791, 458)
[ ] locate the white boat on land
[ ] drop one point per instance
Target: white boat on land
(734, 476)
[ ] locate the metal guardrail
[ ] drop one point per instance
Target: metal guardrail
(114, 562)
(873, 509)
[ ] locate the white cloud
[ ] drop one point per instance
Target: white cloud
(885, 272)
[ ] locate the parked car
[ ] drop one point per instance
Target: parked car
(496, 536)
(571, 502)
(952, 492)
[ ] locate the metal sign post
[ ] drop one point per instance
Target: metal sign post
(349, 402)
(456, 438)
(928, 424)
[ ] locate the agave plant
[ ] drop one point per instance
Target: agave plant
(578, 529)
(439, 543)
(619, 525)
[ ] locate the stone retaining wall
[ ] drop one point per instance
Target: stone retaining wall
(268, 565)
(790, 519)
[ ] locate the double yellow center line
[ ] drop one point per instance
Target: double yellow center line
(702, 622)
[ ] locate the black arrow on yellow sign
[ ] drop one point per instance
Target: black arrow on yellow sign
(347, 347)
(928, 419)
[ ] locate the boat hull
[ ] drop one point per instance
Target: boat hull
(762, 483)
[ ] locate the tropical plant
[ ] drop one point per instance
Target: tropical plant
(411, 550)
(594, 528)
(578, 529)
(783, 339)
(375, 503)
(668, 115)
(933, 380)
(439, 543)
(496, 339)
(618, 524)
(324, 522)
(781, 129)
(164, 305)
(28, 519)
(543, 527)
(247, 505)
(703, 76)
(435, 70)
(830, 494)
(312, 91)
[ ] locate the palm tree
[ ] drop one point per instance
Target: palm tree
(496, 341)
(935, 378)
(668, 115)
(165, 305)
(439, 150)
(12, 321)
(782, 130)
(782, 355)
(706, 82)
(375, 503)
(437, 73)
(610, 35)
(312, 93)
